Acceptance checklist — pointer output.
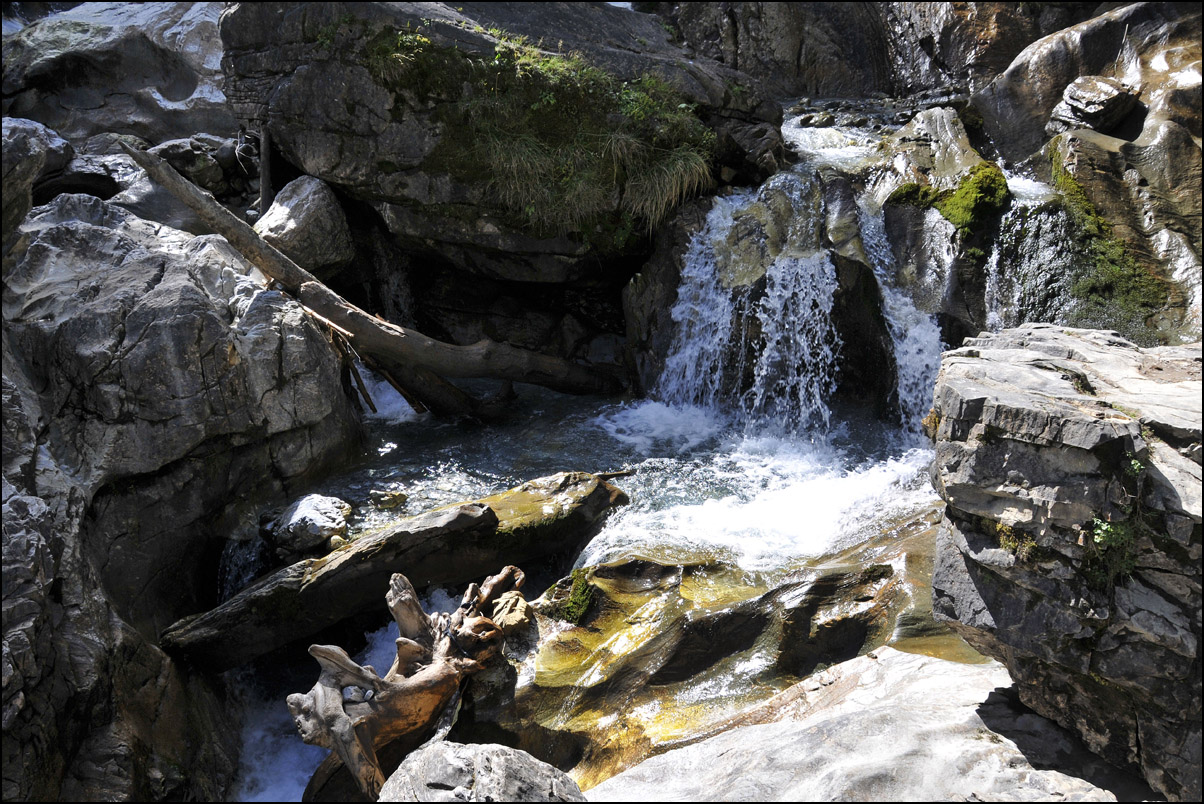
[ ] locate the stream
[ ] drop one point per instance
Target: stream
(760, 483)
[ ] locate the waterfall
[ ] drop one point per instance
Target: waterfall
(767, 344)
(915, 335)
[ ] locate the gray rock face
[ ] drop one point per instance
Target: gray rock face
(148, 69)
(888, 726)
(310, 71)
(444, 771)
(1070, 464)
(30, 151)
(306, 222)
(148, 382)
(1091, 101)
(1135, 44)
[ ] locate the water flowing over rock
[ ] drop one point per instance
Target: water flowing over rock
(148, 69)
(888, 726)
(1070, 464)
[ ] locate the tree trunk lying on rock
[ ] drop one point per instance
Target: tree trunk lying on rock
(417, 362)
(353, 711)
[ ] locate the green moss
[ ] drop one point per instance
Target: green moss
(575, 605)
(981, 194)
(1020, 544)
(564, 147)
(1114, 290)
(915, 195)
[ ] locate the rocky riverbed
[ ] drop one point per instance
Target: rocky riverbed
(811, 243)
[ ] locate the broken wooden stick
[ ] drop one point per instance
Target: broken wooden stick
(354, 712)
(420, 363)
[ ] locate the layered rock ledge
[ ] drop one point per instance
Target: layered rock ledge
(1069, 461)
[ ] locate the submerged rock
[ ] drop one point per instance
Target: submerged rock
(888, 726)
(444, 771)
(1069, 461)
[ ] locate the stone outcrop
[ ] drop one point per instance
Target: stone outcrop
(903, 48)
(306, 222)
(546, 517)
(1091, 101)
(1148, 46)
(885, 726)
(1069, 461)
(149, 380)
(148, 69)
(445, 771)
(379, 141)
(30, 152)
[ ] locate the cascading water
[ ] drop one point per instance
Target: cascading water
(742, 469)
(792, 371)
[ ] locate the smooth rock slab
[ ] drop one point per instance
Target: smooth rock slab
(446, 771)
(888, 726)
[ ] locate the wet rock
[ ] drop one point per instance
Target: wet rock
(194, 160)
(307, 223)
(655, 654)
(1091, 101)
(1068, 460)
(309, 522)
(830, 738)
(542, 518)
(445, 771)
(1136, 44)
(147, 69)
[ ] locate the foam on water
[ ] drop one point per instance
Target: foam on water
(390, 405)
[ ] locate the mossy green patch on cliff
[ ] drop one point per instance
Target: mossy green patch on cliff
(564, 146)
(1114, 290)
(981, 194)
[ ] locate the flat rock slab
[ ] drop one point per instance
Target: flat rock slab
(452, 545)
(887, 726)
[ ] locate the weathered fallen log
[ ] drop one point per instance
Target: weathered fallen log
(353, 711)
(418, 362)
(541, 518)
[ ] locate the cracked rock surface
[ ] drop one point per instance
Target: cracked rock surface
(1069, 461)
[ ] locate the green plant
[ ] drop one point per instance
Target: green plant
(563, 146)
(1113, 289)
(1111, 558)
(1018, 543)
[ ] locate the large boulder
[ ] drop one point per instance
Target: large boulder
(147, 69)
(1150, 47)
(306, 222)
(368, 97)
(30, 151)
(887, 726)
(1069, 461)
(148, 381)
(444, 771)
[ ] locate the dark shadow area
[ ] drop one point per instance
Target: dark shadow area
(1048, 746)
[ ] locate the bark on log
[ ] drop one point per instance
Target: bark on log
(417, 361)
